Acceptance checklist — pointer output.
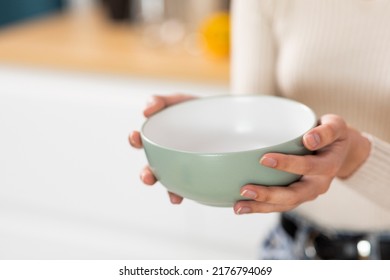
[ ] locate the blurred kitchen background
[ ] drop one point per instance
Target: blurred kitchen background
(74, 78)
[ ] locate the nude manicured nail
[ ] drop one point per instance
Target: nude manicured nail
(151, 102)
(313, 140)
(249, 194)
(243, 210)
(132, 141)
(175, 200)
(142, 176)
(147, 178)
(269, 162)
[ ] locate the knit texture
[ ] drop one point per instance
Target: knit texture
(334, 56)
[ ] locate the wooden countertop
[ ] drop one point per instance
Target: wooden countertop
(90, 42)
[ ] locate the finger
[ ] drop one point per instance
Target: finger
(135, 140)
(174, 198)
(326, 162)
(307, 189)
(248, 207)
(156, 104)
(160, 102)
(272, 195)
(147, 176)
(330, 129)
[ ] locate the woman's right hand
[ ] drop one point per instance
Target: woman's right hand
(157, 104)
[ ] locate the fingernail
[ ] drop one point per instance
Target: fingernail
(151, 101)
(249, 194)
(175, 200)
(131, 140)
(142, 176)
(313, 140)
(270, 162)
(146, 178)
(243, 210)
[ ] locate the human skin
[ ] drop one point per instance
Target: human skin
(339, 150)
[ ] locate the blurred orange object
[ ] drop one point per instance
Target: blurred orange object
(216, 34)
(87, 41)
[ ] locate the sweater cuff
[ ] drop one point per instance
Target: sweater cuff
(372, 179)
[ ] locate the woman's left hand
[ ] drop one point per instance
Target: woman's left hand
(339, 151)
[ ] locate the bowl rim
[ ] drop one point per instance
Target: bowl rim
(201, 99)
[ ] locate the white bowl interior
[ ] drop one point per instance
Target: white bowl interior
(229, 124)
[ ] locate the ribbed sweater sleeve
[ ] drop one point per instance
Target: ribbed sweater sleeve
(324, 54)
(372, 179)
(253, 48)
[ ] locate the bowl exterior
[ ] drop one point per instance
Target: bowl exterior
(216, 179)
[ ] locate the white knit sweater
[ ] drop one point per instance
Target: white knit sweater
(334, 56)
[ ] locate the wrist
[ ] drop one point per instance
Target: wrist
(358, 151)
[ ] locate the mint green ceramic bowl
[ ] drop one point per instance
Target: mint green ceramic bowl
(206, 149)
